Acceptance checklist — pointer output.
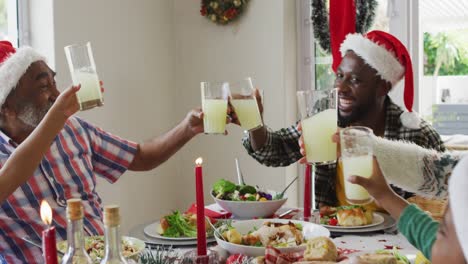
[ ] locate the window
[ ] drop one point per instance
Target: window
(444, 27)
(9, 21)
(324, 74)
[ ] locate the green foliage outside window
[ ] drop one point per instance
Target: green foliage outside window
(446, 53)
(324, 75)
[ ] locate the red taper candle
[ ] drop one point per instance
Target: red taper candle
(49, 245)
(201, 231)
(307, 191)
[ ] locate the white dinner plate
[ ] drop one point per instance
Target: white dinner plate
(410, 254)
(388, 223)
(309, 230)
(151, 231)
(376, 220)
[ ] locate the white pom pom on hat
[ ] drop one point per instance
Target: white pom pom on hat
(13, 65)
(390, 58)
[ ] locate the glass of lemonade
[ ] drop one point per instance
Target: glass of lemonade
(83, 71)
(245, 104)
(356, 158)
(319, 122)
(214, 96)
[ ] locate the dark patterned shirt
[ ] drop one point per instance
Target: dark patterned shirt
(282, 149)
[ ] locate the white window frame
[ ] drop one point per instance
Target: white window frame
(18, 22)
(24, 36)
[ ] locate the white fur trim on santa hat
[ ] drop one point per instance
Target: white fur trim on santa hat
(14, 67)
(458, 197)
(378, 57)
(410, 120)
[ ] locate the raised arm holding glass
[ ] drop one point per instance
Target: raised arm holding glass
(79, 153)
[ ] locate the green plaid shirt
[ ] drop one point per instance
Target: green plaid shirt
(282, 149)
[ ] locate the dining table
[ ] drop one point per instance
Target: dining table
(349, 241)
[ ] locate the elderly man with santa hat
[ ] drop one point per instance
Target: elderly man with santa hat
(79, 153)
(370, 68)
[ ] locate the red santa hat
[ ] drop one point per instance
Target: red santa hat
(390, 58)
(13, 65)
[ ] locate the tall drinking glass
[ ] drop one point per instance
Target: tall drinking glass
(356, 157)
(214, 96)
(83, 71)
(319, 122)
(245, 104)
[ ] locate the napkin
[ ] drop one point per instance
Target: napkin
(212, 211)
(274, 256)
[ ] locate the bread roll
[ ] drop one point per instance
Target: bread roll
(351, 217)
(321, 248)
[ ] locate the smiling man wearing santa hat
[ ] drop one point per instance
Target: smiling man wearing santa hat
(79, 153)
(371, 66)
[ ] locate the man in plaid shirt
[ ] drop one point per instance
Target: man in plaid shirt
(79, 153)
(365, 76)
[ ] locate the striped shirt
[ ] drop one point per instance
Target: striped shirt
(79, 153)
(282, 149)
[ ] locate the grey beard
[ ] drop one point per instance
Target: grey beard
(32, 116)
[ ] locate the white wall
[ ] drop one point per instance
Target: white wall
(152, 56)
(253, 46)
(133, 49)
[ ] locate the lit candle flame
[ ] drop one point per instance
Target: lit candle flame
(46, 212)
(199, 161)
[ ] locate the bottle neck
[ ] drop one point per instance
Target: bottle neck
(113, 244)
(75, 235)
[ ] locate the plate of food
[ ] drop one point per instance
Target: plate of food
(350, 217)
(250, 237)
(245, 201)
(383, 256)
(177, 227)
(95, 246)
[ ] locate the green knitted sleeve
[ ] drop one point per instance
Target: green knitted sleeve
(419, 228)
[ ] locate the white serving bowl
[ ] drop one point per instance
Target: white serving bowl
(309, 231)
(251, 209)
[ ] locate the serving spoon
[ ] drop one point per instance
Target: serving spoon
(281, 194)
(240, 177)
(215, 229)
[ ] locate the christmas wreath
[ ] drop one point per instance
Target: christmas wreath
(222, 11)
(365, 14)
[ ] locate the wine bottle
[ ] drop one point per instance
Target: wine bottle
(76, 251)
(113, 254)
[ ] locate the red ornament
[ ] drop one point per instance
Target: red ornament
(203, 11)
(230, 13)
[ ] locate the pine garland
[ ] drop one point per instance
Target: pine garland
(222, 12)
(365, 14)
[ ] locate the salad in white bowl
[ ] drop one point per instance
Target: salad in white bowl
(245, 201)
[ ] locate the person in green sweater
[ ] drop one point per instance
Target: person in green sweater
(446, 242)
